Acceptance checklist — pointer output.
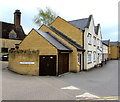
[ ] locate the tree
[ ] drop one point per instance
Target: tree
(44, 17)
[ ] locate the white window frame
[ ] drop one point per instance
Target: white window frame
(89, 36)
(98, 41)
(89, 57)
(79, 58)
(94, 40)
(101, 44)
(94, 56)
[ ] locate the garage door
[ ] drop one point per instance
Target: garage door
(63, 63)
(47, 65)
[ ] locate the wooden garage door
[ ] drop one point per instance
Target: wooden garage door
(47, 65)
(63, 63)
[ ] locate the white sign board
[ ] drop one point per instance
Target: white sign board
(27, 62)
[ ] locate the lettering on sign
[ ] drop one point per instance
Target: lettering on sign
(27, 62)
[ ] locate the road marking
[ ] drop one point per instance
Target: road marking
(87, 95)
(71, 88)
(99, 98)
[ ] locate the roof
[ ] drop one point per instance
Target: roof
(84, 23)
(72, 42)
(114, 43)
(80, 23)
(54, 41)
(8, 27)
(106, 42)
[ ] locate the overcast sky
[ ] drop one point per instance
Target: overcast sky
(104, 12)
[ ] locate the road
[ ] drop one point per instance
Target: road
(99, 82)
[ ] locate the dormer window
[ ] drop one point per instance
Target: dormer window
(12, 35)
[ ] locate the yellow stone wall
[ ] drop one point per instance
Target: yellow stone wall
(68, 29)
(114, 52)
(73, 56)
(8, 43)
(35, 41)
(17, 56)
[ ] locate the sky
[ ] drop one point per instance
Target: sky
(104, 12)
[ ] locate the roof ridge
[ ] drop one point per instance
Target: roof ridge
(78, 19)
(7, 22)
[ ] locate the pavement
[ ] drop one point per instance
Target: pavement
(66, 87)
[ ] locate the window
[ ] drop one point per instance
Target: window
(98, 43)
(12, 36)
(94, 42)
(4, 50)
(101, 44)
(79, 58)
(89, 57)
(89, 38)
(94, 56)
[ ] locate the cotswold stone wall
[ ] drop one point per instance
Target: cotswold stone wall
(24, 61)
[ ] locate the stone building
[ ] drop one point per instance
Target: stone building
(10, 34)
(115, 50)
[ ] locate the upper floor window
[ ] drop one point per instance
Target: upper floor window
(89, 38)
(12, 35)
(94, 40)
(101, 44)
(98, 41)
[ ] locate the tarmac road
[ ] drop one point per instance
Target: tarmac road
(101, 81)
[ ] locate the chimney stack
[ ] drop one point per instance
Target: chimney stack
(17, 18)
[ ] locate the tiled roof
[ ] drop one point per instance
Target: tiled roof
(80, 23)
(83, 23)
(106, 42)
(8, 27)
(72, 42)
(54, 41)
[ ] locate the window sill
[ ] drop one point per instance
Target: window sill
(89, 44)
(89, 62)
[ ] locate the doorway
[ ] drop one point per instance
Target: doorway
(47, 65)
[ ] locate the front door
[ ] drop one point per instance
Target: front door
(47, 65)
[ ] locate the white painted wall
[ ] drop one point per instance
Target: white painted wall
(91, 47)
(105, 52)
(105, 49)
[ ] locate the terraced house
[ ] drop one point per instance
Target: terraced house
(64, 46)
